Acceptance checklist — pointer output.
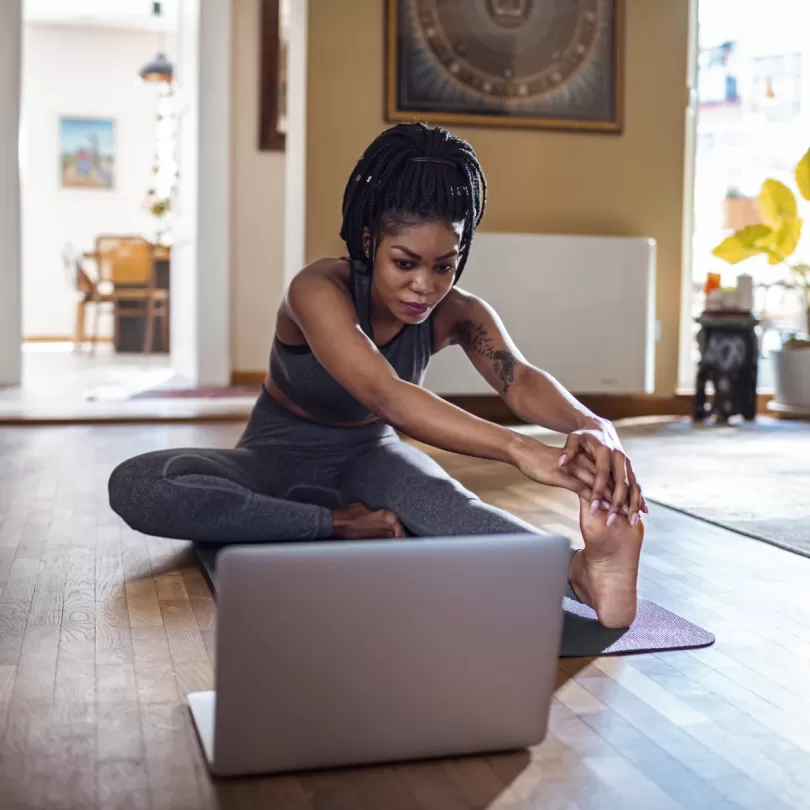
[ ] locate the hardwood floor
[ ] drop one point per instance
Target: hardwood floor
(103, 632)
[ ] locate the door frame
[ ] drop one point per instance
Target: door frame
(10, 203)
(201, 273)
(686, 370)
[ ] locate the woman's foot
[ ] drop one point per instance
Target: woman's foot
(604, 575)
(358, 522)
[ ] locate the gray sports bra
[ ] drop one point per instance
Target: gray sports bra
(298, 374)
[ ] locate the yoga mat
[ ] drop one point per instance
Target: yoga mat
(654, 630)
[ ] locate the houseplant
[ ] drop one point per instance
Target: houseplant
(160, 198)
(777, 238)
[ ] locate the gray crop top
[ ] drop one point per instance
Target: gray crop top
(297, 372)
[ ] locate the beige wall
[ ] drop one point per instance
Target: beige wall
(544, 182)
(257, 206)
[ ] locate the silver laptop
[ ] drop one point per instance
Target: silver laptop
(347, 653)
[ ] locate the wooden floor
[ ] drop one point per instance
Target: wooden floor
(103, 632)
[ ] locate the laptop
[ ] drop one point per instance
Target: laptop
(334, 654)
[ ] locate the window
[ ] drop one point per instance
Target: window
(776, 86)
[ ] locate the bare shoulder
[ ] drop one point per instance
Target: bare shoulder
(318, 276)
(329, 269)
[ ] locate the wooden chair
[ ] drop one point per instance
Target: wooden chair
(88, 294)
(126, 266)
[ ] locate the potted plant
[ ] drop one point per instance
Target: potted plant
(739, 211)
(777, 237)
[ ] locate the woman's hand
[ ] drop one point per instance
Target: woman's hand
(602, 446)
(541, 463)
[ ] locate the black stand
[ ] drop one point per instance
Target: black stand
(729, 354)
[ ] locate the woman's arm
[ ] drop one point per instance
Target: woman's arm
(536, 397)
(532, 394)
(322, 308)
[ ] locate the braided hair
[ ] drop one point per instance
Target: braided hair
(411, 173)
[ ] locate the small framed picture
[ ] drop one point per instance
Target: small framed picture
(554, 64)
(87, 150)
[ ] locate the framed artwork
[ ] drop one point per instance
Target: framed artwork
(273, 74)
(549, 64)
(87, 152)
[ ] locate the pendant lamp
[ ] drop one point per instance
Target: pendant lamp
(158, 69)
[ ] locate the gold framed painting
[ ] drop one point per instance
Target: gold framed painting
(548, 64)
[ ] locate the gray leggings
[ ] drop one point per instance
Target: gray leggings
(284, 476)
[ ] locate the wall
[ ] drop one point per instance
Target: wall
(257, 205)
(10, 59)
(539, 181)
(84, 72)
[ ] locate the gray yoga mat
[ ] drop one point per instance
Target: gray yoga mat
(654, 630)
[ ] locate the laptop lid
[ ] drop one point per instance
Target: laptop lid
(344, 653)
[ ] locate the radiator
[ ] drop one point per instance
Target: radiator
(580, 307)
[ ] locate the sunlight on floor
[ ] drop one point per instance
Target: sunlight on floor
(62, 384)
(55, 369)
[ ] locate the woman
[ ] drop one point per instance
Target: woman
(320, 457)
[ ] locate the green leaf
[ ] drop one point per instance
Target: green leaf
(803, 175)
(776, 203)
(743, 244)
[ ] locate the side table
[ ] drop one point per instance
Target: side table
(729, 355)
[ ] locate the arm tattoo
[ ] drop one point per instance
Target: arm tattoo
(474, 336)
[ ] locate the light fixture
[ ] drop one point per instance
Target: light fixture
(160, 68)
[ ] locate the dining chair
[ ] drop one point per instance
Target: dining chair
(126, 265)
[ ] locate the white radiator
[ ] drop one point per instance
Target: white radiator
(580, 307)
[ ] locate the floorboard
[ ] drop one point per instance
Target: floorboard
(103, 632)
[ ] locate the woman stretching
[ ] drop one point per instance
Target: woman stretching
(320, 456)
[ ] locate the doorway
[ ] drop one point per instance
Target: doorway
(97, 168)
(114, 286)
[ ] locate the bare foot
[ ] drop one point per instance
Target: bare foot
(605, 573)
(358, 522)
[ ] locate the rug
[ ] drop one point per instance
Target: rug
(655, 629)
(752, 478)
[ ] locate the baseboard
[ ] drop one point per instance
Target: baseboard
(64, 339)
(248, 377)
(24, 421)
(608, 406)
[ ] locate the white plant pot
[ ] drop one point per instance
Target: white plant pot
(791, 369)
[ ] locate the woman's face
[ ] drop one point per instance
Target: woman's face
(414, 268)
